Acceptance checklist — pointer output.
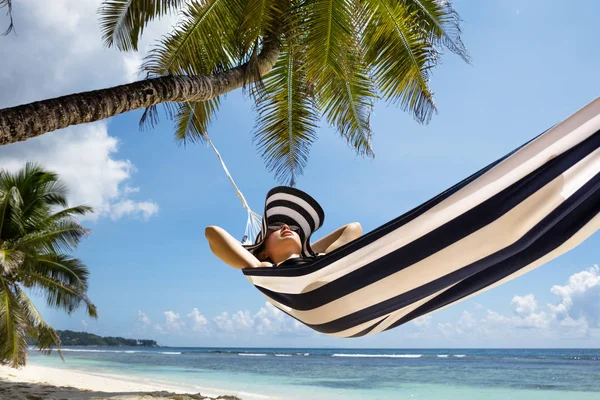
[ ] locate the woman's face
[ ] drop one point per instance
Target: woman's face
(282, 241)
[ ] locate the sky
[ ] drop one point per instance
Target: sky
(152, 273)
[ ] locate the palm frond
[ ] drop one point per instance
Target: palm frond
(328, 36)
(8, 5)
(260, 17)
(287, 117)
(60, 295)
(202, 43)
(345, 94)
(11, 203)
(13, 327)
(123, 21)
(63, 235)
(441, 22)
(10, 259)
(346, 102)
(70, 212)
(400, 56)
(46, 337)
(68, 270)
(192, 120)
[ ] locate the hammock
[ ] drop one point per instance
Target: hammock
(514, 215)
(254, 221)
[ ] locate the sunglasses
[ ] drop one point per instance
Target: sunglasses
(276, 227)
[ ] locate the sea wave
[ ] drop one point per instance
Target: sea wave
(442, 355)
(379, 355)
(252, 354)
(459, 355)
(282, 355)
(103, 351)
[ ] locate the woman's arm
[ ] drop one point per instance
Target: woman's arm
(229, 250)
(338, 238)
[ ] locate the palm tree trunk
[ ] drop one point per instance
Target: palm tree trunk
(30, 120)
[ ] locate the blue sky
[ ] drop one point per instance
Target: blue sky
(152, 273)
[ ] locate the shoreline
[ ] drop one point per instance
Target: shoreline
(34, 381)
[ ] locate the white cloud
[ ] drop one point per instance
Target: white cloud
(199, 321)
(267, 321)
(172, 324)
(524, 305)
(84, 158)
(58, 50)
(580, 297)
(422, 322)
(575, 316)
(145, 209)
(143, 318)
(84, 324)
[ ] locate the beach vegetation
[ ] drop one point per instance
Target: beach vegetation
(38, 233)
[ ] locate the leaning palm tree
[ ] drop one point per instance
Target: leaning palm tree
(37, 230)
(299, 59)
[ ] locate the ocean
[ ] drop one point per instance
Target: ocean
(377, 374)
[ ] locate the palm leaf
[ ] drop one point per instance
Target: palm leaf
(68, 270)
(63, 235)
(60, 295)
(260, 18)
(328, 37)
(201, 44)
(335, 67)
(287, 116)
(10, 259)
(441, 22)
(123, 21)
(192, 120)
(13, 327)
(69, 213)
(10, 212)
(400, 56)
(46, 337)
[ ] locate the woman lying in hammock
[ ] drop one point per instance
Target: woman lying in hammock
(289, 219)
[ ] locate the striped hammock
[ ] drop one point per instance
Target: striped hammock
(514, 215)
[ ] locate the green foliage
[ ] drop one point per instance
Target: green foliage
(70, 338)
(34, 239)
(337, 57)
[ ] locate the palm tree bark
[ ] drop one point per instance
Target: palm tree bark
(30, 120)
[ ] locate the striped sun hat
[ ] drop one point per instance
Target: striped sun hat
(292, 207)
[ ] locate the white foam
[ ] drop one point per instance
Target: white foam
(170, 352)
(459, 355)
(442, 355)
(283, 355)
(379, 355)
(252, 354)
(103, 351)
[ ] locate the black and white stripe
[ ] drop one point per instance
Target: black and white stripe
(518, 213)
(292, 207)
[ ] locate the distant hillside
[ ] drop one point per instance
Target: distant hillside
(70, 338)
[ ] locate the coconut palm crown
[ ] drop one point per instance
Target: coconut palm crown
(37, 231)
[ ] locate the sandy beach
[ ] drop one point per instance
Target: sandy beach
(43, 383)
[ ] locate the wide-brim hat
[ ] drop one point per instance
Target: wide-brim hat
(290, 206)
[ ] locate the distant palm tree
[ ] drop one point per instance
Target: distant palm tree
(309, 57)
(35, 237)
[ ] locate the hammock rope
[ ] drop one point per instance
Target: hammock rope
(254, 220)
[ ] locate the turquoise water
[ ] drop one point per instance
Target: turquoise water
(354, 373)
